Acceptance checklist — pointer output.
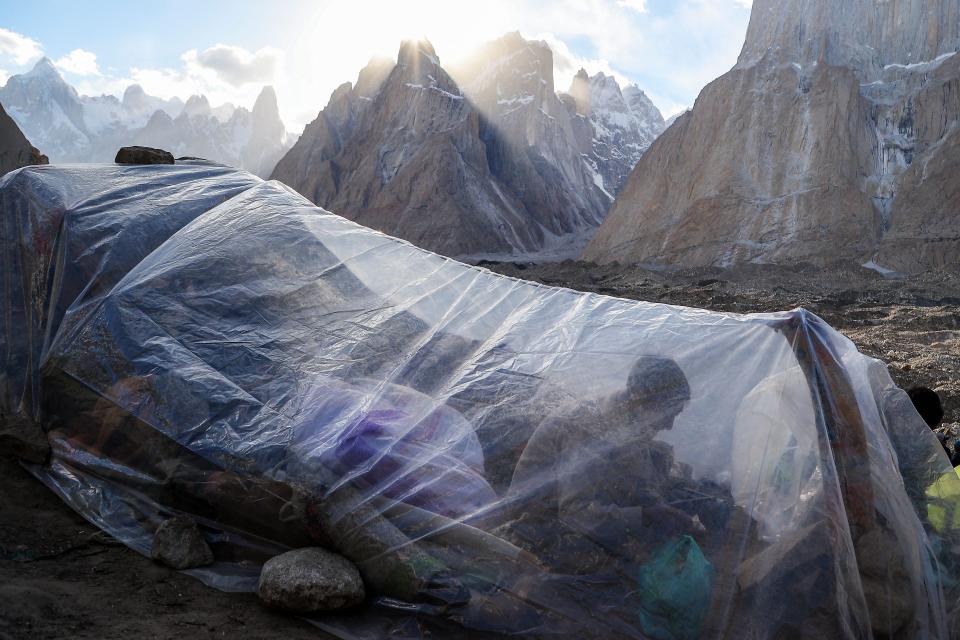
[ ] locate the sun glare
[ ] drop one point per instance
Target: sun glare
(381, 26)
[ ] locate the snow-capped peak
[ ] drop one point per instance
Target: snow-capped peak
(197, 106)
(44, 68)
(625, 123)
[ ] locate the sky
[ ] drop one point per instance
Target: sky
(228, 49)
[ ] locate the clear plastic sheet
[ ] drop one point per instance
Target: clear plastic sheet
(495, 455)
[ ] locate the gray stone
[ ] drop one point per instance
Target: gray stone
(143, 155)
(179, 544)
(311, 579)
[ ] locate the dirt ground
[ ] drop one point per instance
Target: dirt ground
(61, 579)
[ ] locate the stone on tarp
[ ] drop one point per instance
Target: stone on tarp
(24, 439)
(179, 544)
(36, 157)
(308, 580)
(143, 155)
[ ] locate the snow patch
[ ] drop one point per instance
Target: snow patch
(926, 63)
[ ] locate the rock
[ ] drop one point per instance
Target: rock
(24, 439)
(179, 544)
(36, 157)
(15, 150)
(311, 579)
(143, 155)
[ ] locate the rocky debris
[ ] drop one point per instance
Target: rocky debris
(24, 439)
(310, 580)
(143, 155)
(830, 138)
(179, 544)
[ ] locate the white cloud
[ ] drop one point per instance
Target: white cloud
(19, 48)
(639, 6)
(191, 78)
(236, 65)
(101, 85)
(79, 62)
(3, 76)
(672, 51)
(566, 63)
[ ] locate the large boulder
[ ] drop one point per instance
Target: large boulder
(143, 155)
(308, 580)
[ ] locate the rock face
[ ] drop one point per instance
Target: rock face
(834, 136)
(625, 123)
(408, 160)
(143, 155)
(179, 544)
(531, 134)
(15, 150)
(485, 161)
(75, 128)
(310, 580)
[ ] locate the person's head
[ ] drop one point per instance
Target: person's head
(928, 405)
(657, 391)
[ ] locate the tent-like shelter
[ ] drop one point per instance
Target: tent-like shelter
(493, 454)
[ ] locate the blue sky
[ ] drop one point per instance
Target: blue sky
(228, 50)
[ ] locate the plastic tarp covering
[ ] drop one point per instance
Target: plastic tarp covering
(496, 456)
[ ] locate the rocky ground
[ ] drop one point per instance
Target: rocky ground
(61, 579)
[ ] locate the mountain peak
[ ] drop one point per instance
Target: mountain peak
(267, 95)
(134, 96)
(411, 50)
(197, 105)
(418, 65)
(44, 68)
(266, 105)
(371, 77)
(44, 64)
